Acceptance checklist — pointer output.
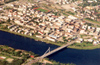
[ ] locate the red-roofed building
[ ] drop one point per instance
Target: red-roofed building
(32, 56)
(40, 32)
(35, 8)
(1, 58)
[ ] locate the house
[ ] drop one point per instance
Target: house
(79, 41)
(10, 60)
(73, 9)
(46, 31)
(67, 34)
(52, 36)
(58, 23)
(71, 26)
(20, 8)
(91, 33)
(82, 31)
(72, 17)
(27, 32)
(89, 1)
(88, 40)
(89, 27)
(32, 56)
(4, 17)
(19, 31)
(39, 36)
(20, 13)
(51, 18)
(89, 7)
(16, 30)
(19, 22)
(61, 17)
(40, 32)
(67, 20)
(95, 42)
(69, 30)
(10, 26)
(43, 24)
(97, 29)
(84, 27)
(2, 57)
(50, 39)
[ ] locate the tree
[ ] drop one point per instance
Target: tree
(8, 20)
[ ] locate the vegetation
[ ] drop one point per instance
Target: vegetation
(89, 24)
(42, 10)
(7, 8)
(91, 20)
(15, 62)
(18, 56)
(71, 13)
(85, 3)
(8, 1)
(1, 11)
(13, 52)
(57, 13)
(35, 21)
(65, 14)
(83, 44)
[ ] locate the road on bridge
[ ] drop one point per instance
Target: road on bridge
(57, 49)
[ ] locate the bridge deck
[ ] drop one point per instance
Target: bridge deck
(57, 49)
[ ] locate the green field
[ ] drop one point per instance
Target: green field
(69, 12)
(42, 10)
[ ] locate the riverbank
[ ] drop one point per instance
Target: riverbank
(50, 42)
(21, 57)
(12, 56)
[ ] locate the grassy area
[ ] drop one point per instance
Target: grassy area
(42, 10)
(84, 45)
(89, 24)
(85, 48)
(71, 13)
(92, 20)
(83, 35)
(65, 14)
(98, 26)
(1, 54)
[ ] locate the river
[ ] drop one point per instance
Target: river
(66, 55)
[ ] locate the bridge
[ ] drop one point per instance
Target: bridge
(57, 49)
(49, 53)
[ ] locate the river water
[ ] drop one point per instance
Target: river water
(66, 55)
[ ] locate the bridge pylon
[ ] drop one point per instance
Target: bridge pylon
(48, 50)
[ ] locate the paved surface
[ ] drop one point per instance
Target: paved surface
(57, 49)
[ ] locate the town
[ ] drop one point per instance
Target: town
(29, 19)
(61, 25)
